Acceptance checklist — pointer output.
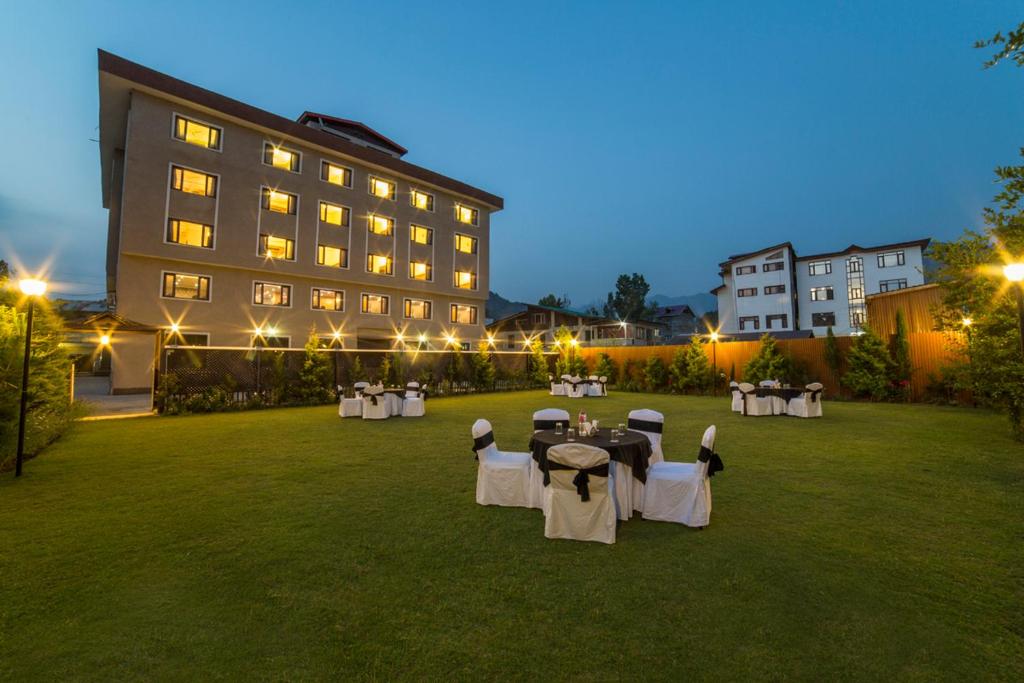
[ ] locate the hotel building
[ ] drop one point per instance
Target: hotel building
(774, 290)
(239, 227)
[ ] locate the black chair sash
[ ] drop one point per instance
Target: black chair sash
(549, 424)
(482, 442)
(815, 394)
(714, 462)
(582, 479)
(645, 426)
(752, 392)
(410, 387)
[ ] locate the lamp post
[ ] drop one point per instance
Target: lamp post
(30, 288)
(1014, 272)
(714, 363)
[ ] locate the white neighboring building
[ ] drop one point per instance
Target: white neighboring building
(774, 289)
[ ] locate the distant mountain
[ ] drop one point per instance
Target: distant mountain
(499, 307)
(699, 303)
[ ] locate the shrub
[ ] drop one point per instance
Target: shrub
(315, 376)
(606, 368)
(483, 368)
(870, 367)
(901, 367)
(769, 363)
(539, 363)
(655, 373)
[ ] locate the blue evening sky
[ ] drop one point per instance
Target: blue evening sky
(648, 137)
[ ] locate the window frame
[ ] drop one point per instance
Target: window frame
(263, 252)
(391, 264)
(293, 201)
(831, 313)
(346, 214)
(369, 224)
(453, 314)
(744, 292)
(780, 317)
(811, 265)
(316, 292)
(430, 235)
(384, 297)
(830, 293)
(473, 280)
(324, 175)
(775, 289)
(773, 266)
(476, 214)
(209, 286)
(256, 283)
(168, 240)
(370, 177)
(296, 155)
(344, 254)
(431, 203)
(175, 115)
(406, 301)
(901, 258)
(745, 270)
(743, 319)
(883, 285)
(430, 271)
(475, 241)
(209, 176)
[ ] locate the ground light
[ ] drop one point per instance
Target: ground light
(714, 363)
(31, 288)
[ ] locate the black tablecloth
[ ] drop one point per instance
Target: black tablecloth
(633, 448)
(785, 393)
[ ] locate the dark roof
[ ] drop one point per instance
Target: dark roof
(854, 248)
(666, 311)
(353, 128)
(717, 289)
(594, 319)
(111, 321)
(739, 257)
(113, 120)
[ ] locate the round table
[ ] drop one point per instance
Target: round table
(632, 448)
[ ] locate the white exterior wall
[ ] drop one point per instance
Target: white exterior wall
(732, 307)
(912, 271)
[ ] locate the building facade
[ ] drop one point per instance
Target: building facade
(515, 331)
(775, 290)
(232, 226)
(676, 321)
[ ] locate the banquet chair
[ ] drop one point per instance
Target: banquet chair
(413, 404)
(737, 397)
(651, 424)
(353, 407)
(807, 404)
(604, 385)
(680, 492)
(752, 404)
(579, 499)
(557, 388)
(543, 419)
(768, 383)
(629, 495)
(502, 477)
(375, 403)
(594, 386)
(576, 388)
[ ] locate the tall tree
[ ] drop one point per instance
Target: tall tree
(556, 301)
(1011, 46)
(629, 300)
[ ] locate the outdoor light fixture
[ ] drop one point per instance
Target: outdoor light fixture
(714, 337)
(451, 340)
(175, 328)
(31, 288)
(105, 339)
(336, 334)
(399, 338)
(490, 339)
(573, 341)
(1014, 272)
(967, 322)
(258, 331)
(272, 331)
(422, 339)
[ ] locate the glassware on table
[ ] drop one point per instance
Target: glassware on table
(615, 435)
(558, 428)
(622, 429)
(570, 434)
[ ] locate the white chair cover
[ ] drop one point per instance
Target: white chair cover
(557, 388)
(594, 386)
(577, 391)
(567, 515)
(737, 397)
(604, 385)
(807, 404)
(629, 495)
(652, 431)
(375, 403)
(540, 420)
(413, 405)
(502, 478)
(359, 388)
(350, 407)
(681, 491)
(752, 404)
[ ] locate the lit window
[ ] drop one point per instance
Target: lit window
(279, 157)
(195, 133)
(193, 182)
(279, 202)
(463, 314)
(420, 270)
(822, 294)
(417, 309)
(377, 304)
(328, 299)
(270, 294)
(335, 214)
(185, 286)
(336, 175)
(189, 234)
(385, 189)
(465, 280)
(465, 244)
(421, 235)
(272, 246)
(466, 214)
(422, 200)
(381, 225)
(381, 265)
(335, 257)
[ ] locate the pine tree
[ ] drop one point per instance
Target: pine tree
(539, 361)
(655, 373)
(678, 369)
(902, 368)
(314, 384)
(483, 368)
(698, 368)
(869, 367)
(833, 356)
(357, 373)
(606, 368)
(769, 363)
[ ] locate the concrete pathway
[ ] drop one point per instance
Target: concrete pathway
(94, 393)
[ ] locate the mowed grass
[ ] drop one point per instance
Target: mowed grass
(881, 542)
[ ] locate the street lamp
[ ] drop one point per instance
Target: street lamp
(1014, 272)
(714, 363)
(31, 288)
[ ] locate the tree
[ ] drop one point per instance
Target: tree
(629, 301)
(1012, 46)
(606, 368)
(699, 374)
(554, 301)
(869, 367)
(539, 362)
(315, 375)
(569, 360)
(833, 356)
(769, 363)
(483, 368)
(357, 373)
(677, 369)
(654, 373)
(901, 366)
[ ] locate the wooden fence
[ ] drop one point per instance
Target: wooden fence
(929, 351)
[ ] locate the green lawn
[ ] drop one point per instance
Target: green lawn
(879, 542)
